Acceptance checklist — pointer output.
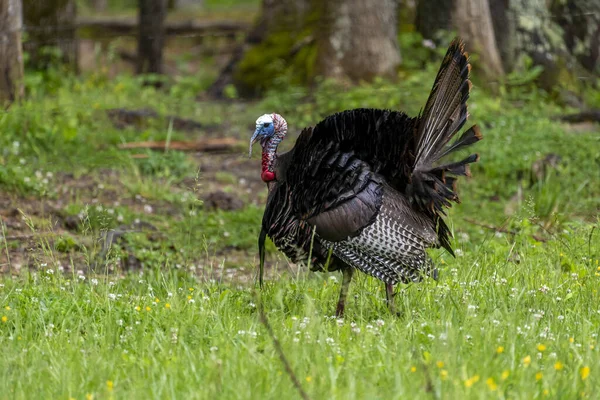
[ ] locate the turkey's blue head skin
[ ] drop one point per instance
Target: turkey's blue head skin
(265, 129)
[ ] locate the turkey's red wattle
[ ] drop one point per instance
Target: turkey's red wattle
(267, 175)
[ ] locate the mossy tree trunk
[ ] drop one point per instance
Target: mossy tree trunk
(300, 39)
(11, 55)
(564, 38)
(358, 39)
(276, 46)
(51, 24)
(530, 31)
(152, 14)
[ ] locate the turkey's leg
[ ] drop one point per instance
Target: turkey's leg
(389, 294)
(347, 277)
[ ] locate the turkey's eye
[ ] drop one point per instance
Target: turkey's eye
(266, 124)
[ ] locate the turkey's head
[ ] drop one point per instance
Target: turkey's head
(270, 130)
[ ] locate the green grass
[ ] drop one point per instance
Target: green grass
(509, 318)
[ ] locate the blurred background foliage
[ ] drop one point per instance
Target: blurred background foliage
(111, 109)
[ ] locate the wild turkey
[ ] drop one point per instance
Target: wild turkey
(363, 189)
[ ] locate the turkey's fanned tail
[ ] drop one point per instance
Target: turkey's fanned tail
(444, 115)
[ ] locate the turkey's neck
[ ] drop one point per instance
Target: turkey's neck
(269, 155)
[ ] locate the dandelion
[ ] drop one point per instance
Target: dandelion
(148, 308)
(527, 361)
(308, 379)
(440, 364)
(505, 374)
(471, 381)
(584, 373)
(413, 369)
(191, 289)
(500, 349)
(4, 318)
(571, 340)
(167, 305)
(492, 384)
(558, 366)
(137, 308)
(157, 300)
(539, 376)
(109, 385)
(541, 347)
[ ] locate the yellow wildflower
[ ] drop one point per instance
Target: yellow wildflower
(7, 308)
(584, 372)
(156, 300)
(558, 366)
(571, 340)
(89, 396)
(505, 374)
(148, 308)
(539, 376)
(167, 305)
(4, 318)
(191, 289)
(440, 364)
(546, 392)
(308, 379)
(492, 384)
(137, 308)
(527, 361)
(189, 297)
(413, 369)
(444, 374)
(500, 349)
(541, 347)
(471, 381)
(109, 385)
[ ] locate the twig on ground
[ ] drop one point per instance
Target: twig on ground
(502, 230)
(279, 350)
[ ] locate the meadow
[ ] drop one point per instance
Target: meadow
(119, 281)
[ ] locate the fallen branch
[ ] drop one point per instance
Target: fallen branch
(204, 145)
(122, 117)
(129, 26)
(584, 116)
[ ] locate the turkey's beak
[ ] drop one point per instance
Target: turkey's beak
(253, 140)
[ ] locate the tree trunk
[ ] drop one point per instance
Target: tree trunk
(434, 16)
(11, 55)
(358, 39)
(152, 14)
(51, 23)
(474, 23)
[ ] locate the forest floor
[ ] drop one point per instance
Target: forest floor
(130, 272)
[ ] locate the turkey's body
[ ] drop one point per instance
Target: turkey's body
(362, 189)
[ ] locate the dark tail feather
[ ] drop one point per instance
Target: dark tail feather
(444, 115)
